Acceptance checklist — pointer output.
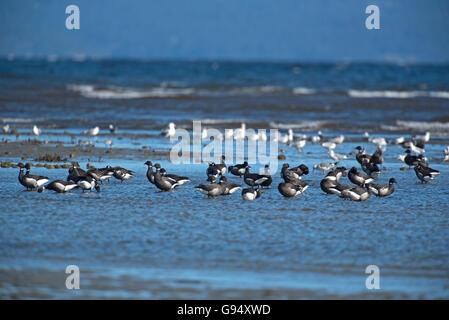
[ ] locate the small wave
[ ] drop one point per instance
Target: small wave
(317, 124)
(423, 125)
(20, 120)
(397, 94)
(301, 90)
(89, 91)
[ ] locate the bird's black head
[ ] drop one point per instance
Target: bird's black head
(408, 151)
(353, 170)
(285, 165)
(223, 178)
(28, 165)
(97, 187)
(358, 148)
(148, 163)
(157, 166)
(392, 180)
(304, 168)
(21, 165)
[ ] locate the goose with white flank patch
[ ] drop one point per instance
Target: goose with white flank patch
(87, 183)
(212, 189)
(122, 174)
(59, 186)
(228, 187)
(253, 179)
(356, 194)
(250, 194)
(382, 190)
(425, 174)
(31, 181)
(359, 178)
(178, 180)
(238, 169)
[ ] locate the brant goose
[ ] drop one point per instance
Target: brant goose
(112, 128)
(32, 181)
(250, 194)
(267, 174)
(179, 180)
(253, 179)
(412, 160)
(222, 166)
(295, 173)
(382, 190)
(361, 156)
(163, 183)
(371, 169)
(377, 158)
(330, 183)
(122, 174)
(238, 169)
(355, 194)
(212, 189)
(60, 186)
(150, 173)
(359, 178)
(228, 188)
(289, 189)
(212, 171)
(88, 183)
(101, 174)
(75, 172)
(21, 175)
(424, 173)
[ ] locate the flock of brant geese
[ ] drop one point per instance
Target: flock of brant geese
(362, 180)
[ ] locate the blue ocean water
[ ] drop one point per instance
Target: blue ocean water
(131, 241)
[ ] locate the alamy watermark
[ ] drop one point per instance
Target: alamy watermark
(260, 146)
(73, 280)
(373, 280)
(72, 22)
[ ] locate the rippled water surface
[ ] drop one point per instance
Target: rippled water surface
(132, 241)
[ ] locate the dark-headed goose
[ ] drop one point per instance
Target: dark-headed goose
(60, 186)
(382, 190)
(32, 181)
(254, 179)
(425, 174)
(359, 178)
(250, 194)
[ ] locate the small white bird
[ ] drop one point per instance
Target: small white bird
(36, 130)
(416, 149)
(170, 131)
(338, 140)
(329, 145)
(112, 128)
(93, 131)
(401, 157)
(423, 138)
(325, 166)
(299, 144)
(446, 154)
(5, 128)
(240, 133)
(108, 142)
(337, 156)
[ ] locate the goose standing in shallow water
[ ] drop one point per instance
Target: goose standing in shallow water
(150, 173)
(179, 180)
(31, 181)
(212, 189)
(238, 169)
(228, 188)
(425, 174)
(250, 194)
(162, 182)
(355, 194)
(88, 183)
(382, 190)
(254, 179)
(359, 178)
(21, 175)
(371, 169)
(267, 174)
(60, 186)
(290, 190)
(122, 174)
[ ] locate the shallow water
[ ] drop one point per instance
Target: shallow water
(131, 241)
(311, 246)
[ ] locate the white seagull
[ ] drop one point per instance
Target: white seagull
(36, 130)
